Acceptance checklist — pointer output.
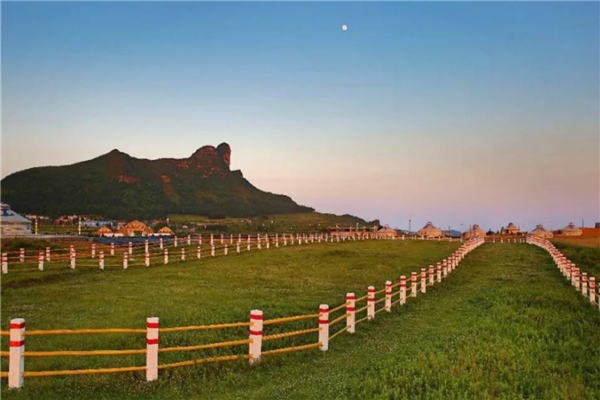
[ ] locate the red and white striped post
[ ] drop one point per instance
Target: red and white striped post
(584, 281)
(267, 241)
(248, 243)
(413, 283)
(147, 259)
(101, 259)
(4, 263)
(568, 271)
(199, 252)
(160, 243)
(445, 268)
(431, 275)
(423, 280)
(73, 256)
(21, 255)
(370, 303)
(402, 290)
(16, 361)
(439, 272)
(199, 240)
(350, 312)
(41, 261)
(238, 247)
(212, 239)
(175, 241)
(212, 250)
(152, 326)
(146, 246)
(93, 250)
(222, 242)
(112, 249)
(183, 254)
(258, 245)
(189, 240)
(166, 255)
(231, 238)
(47, 254)
(256, 333)
(277, 240)
(593, 290)
(130, 248)
(388, 296)
(225, 250)
(125, 260)
(324, 327)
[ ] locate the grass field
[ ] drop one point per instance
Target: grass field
(505, 325)
(586, 258)
(586, 242)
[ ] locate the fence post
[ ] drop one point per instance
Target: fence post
(593, 290)
(47, 254)
(350, 312)
(413, 281)
(423, 280)
(21, 255)
(166, 255)
(189, 240)
(238, 247)
(175, 241)
(212, 250)
(16, 362)
(388, 296)
(324, 327)
(4, 263)
(73, 257)
(125, 260)
(160, 243)
(41, 261)
(431, 275)
(256, 328)
(445, 268)
(147, 259)
(222, 238)
(152, 326)
(130, 248)
(101, 259)
(93, 250)
(439, 272)
(370, 303)
(402, 290)
(112, 249)
(199, 252)
(146, 246)
(183, 254)
(225, 250)
(584, 279)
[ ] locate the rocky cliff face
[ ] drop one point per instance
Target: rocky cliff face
(117, 185)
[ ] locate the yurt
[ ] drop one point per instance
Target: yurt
(474, 232)
(387, 232)
(13, 224)
(429, 231)
(165, 231)
(571, 230)
(511, 229)
(540, 232)
(104, 231)
(136, 228)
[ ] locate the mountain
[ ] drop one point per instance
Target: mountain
(119, 186)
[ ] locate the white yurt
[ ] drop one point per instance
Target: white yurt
(429, 231)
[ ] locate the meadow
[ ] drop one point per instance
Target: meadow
(504, 325)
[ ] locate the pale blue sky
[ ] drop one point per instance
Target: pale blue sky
(451, 112)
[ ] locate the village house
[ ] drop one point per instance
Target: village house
(13, 224)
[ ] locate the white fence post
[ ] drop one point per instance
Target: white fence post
(125, 260)
(256, 333)
(152, 326)
(41, 261)
(73, 257)
(225, 250)
(93, 250)
(147, 259)
(593, 290)
(212, 250)
(370, 303)
(166, 255)
(130, 248)
(189, 240)
(112, 249)
(175, 241)
(324, 327)
(413, 284)
(160, 243)
(439, 272)
(4, 263)
(423, 280)
(199, 252)
(431, 275)
(146, 246)
(21, 255)
(16, 362)
(584, 279)
(47, 254)
(101, 259)
(183, 254)
(402, 290)
(350, 312)
(388, 296)
(238, 247)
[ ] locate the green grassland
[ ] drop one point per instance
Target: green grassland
(586, 258)
(504, 325)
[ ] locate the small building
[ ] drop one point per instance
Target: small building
(13, 224)
(164, 231)
(105, 231)
(136, 228)
(429, 231)
(571, 230)
(474, 232)
(540, 232)
(511, 229)
(387, 232)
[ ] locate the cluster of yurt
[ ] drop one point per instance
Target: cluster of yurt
(540, 232)
(572, 230)
(474, 232)
(511, 229)
(387, 232)
(164, 231)
(429, 231)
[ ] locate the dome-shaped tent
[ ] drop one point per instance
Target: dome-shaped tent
(511, 229)
(572, 230)
(540, 232)
(429, 231)
(165, 231)
(474, 232)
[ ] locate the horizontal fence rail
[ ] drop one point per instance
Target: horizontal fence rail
(325, 321)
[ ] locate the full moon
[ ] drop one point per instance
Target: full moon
(344, 27)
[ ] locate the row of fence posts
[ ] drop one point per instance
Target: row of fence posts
(579, 280)
(444, 268)
(299, 239)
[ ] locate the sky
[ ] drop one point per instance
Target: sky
(455, 113)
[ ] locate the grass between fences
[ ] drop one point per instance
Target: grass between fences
(586, 258)
(504, 325)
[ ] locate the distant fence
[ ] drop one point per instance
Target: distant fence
(121, 252)
(325, 319)
(580, 280)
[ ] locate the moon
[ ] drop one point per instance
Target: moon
(344, 27)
